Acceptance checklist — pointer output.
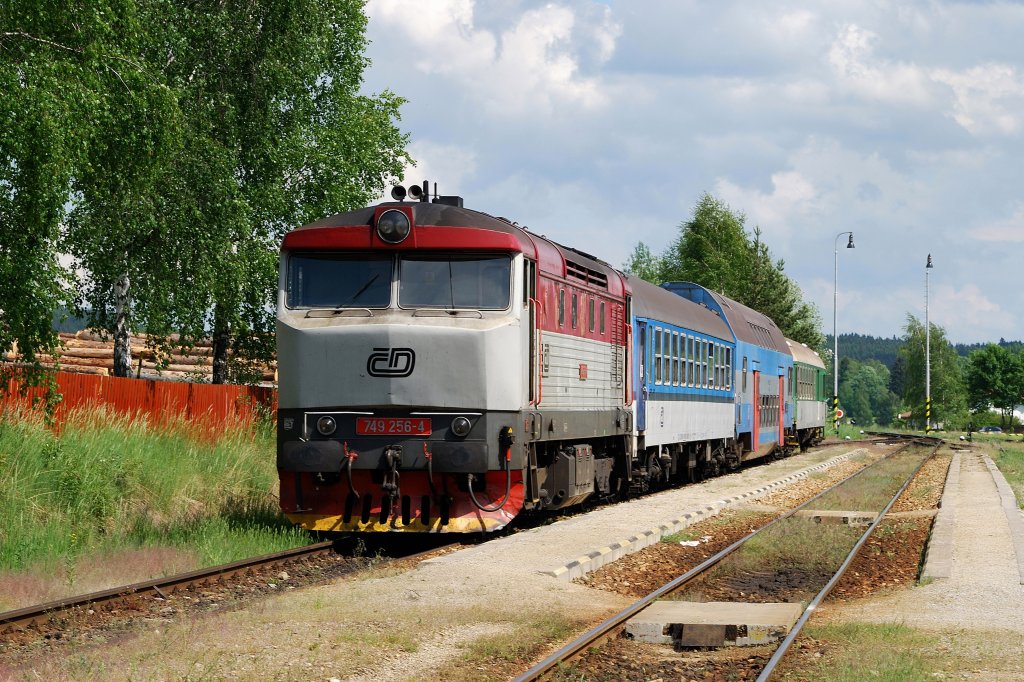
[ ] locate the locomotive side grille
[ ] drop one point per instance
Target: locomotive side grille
(585, 274)
(618, 368)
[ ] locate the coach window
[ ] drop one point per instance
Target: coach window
(718, 366)
(575, 310)
(657, 356)
(561, 307)
(714, 375)
(667, 358)
(675, 358)
(602, 318)
(744, 373)
(728, 369)
(590, 322)
(713, 364)
(689, 361)
(709, 378)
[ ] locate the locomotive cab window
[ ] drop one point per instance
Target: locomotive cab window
(561, 307)
(455, 282)
(326, 280)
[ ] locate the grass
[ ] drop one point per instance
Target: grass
(1010, 460)
(502, 656)
(105, 486)
(872, 489)
(889, 653)
(794, 542)
(851, 652)
(726, 517)
(679, 536)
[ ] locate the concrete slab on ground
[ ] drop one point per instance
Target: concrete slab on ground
(713, 623)
(829, 516)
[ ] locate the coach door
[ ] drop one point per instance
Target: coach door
(755, 440)
(782, 410)
(641, 395)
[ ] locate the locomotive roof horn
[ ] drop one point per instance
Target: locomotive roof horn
(421, 193)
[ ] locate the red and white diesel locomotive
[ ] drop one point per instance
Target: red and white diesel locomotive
(445, 370)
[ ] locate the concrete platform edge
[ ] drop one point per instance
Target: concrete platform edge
(1014, 515)
(597, 558)
(938, 558)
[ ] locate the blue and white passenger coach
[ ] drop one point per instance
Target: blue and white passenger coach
(763, 368)
(685, 406)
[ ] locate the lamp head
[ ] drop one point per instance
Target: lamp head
(849, 244)
(929, 261)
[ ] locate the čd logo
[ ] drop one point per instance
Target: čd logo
(391, 362)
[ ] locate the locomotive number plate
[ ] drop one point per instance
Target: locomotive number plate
(392, 426)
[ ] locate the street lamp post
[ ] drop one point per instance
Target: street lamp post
(927, 354)
(835, 333)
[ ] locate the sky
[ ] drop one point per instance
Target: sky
(601, 124)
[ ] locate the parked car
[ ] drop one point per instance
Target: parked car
(990, 429)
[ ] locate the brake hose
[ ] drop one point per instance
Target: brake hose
(508, 484)
(350, 457)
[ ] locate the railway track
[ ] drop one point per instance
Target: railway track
(52, 615)
(612, 626)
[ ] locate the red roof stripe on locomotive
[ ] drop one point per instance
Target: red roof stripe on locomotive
(433, 237)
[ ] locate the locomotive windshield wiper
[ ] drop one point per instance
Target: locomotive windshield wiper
(359, 293)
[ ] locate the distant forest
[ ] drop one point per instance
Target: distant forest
(64, 321)
(864, 347)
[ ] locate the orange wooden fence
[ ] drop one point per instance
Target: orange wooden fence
(159, 401)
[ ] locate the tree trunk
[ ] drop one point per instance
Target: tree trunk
(122, 335)
(221, 341)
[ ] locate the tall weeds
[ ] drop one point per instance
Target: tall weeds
(105, 483)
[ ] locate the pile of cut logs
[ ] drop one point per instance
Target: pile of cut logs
(86, 352)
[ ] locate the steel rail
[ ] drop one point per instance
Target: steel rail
(601, 630)
(20, 618)
(160, 586)
(769, 668)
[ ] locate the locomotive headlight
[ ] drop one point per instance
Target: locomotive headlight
(460, 427)
(393, 226)
(326, 425)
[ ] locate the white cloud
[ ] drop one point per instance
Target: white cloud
(792, 193)
(852, 57)
(450, 166)
(532, 67)
(983, 99)
(987, 98)
(1007, 230)
(791, 25)
(966, 312)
